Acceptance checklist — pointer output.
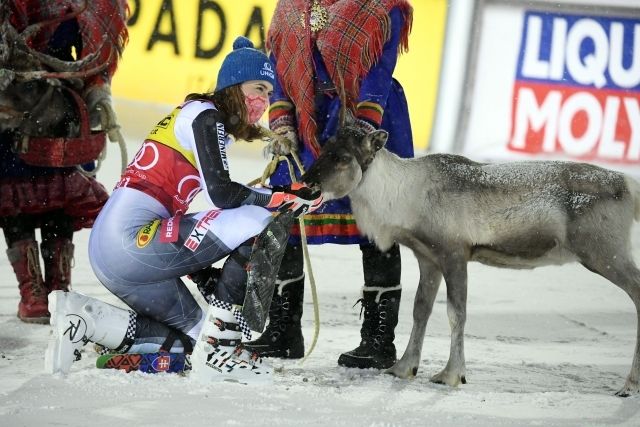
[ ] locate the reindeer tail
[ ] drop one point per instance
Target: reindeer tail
(634, 189)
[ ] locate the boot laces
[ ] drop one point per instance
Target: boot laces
(361, 302)
(382, 327)
(275, 321)
(37, 286)
(280, 316)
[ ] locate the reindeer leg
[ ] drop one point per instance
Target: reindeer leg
(430, 278)
(621, 270)
(455, 276)
(632, 383)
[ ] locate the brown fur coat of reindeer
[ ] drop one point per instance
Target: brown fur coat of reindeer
(511, 215)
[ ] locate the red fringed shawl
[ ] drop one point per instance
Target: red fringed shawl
(350, 44)
(102, 27)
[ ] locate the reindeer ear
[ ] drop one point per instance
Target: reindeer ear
(377, 139)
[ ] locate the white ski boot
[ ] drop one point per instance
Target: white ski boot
(76, 319)
(219, 356)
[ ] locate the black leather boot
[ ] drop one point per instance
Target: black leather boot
(376, 349)
(283, 335)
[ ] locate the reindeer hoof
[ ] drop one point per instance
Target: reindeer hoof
(630, 388)
(452, 380)
(627, 391)
(436, 380)
(400, 372)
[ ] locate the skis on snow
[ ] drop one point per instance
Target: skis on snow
(150, 363)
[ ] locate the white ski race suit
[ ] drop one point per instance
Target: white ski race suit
(143, 241)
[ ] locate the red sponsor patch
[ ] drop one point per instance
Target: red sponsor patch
(200, 230)
(169, 230)
(581, 123)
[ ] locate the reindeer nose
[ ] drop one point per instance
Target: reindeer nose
(311, 183)
(309, 180)
(315, 187)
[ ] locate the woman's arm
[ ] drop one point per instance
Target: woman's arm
(209, 140)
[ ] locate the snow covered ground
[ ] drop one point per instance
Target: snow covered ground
(544, 347)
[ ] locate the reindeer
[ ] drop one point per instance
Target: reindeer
(450, 210)
(39, 91)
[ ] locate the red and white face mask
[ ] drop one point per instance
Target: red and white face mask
(256, 106)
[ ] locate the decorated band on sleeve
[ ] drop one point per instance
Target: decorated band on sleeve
(281, 113)
(370, 112)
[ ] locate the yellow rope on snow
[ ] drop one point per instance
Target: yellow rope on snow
(268, 171)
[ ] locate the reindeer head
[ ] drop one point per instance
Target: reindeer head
(32, 99)
(344, 160)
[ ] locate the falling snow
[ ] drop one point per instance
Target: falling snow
(546, 347)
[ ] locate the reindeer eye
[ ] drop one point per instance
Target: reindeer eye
(345, 158)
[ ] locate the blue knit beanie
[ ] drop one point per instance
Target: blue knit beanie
(243, 64)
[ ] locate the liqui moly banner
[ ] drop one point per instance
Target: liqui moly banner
(577, 88)
(574, 92)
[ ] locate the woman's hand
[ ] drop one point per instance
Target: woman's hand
(296, 197)
(283, 141)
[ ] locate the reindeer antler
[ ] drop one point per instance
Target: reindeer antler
(343, 100)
